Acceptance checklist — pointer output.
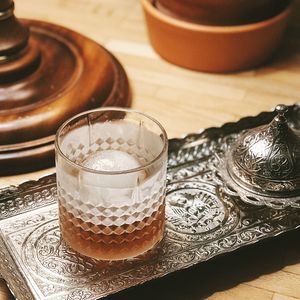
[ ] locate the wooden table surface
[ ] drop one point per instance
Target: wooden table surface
(185, 101)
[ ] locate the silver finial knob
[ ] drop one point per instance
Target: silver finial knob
(281, 110)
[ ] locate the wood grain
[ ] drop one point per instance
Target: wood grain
(185, 101)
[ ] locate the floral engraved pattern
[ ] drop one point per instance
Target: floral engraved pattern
(204, 219)
(46, 254)
(193, 209)
(258, 154)
(33, 195)
(263, 166)
(56, 257)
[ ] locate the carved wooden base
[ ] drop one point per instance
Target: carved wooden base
(69, 74)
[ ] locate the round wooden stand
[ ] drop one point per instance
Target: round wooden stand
(48, 76)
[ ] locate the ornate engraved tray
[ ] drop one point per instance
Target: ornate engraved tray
(203, 221)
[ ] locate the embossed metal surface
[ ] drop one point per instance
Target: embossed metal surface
(263, 165)
(203, 221)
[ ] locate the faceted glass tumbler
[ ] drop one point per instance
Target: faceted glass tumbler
(111, 176)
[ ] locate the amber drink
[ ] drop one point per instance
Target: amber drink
(111, 177)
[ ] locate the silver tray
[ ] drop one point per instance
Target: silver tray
(203, 221)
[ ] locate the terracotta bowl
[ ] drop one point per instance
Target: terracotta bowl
(218, 12)
(214, 48)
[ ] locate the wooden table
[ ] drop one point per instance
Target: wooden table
(185, 101)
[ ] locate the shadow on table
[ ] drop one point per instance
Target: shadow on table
(286, 57)
(221, 273)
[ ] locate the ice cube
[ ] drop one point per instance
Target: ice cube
(111, 160)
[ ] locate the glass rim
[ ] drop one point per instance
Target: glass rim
(120, 172)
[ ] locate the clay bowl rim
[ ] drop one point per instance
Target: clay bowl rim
(149, 6)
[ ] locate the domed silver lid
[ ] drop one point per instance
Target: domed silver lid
(267, 158)
(264, 163)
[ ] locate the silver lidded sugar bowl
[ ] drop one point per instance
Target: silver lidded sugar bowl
(263, 166)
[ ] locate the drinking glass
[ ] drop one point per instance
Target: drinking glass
(111, 177)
